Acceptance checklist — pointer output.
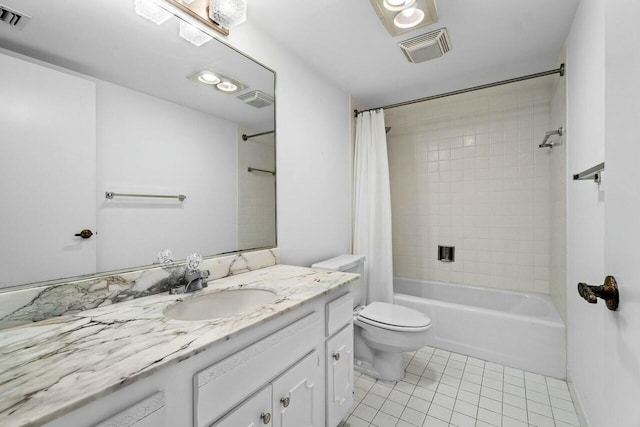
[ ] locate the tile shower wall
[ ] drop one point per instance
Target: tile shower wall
(466, 171)
(256, 192)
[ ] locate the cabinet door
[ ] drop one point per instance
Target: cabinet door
(253, 412)
(339, 375)
(297, 399)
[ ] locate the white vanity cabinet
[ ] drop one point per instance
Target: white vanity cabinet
(292, 400)
(295, 370)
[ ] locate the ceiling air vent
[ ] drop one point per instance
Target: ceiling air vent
(256, 98)
(427, 46)
(13, 18)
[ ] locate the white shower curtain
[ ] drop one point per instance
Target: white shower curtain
(372, 216)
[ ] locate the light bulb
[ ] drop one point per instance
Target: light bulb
(397, 5)
(150, 10)
(227, 86)
(208, 78)
(409, 18)
(193, 35)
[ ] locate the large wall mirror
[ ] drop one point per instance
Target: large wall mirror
(105, 96)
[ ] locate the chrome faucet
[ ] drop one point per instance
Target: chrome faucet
(194, 279)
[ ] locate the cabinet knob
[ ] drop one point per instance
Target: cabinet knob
(285, 401)
(336, 356)
(265, 417)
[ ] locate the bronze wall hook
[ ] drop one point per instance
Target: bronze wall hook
(608, 292)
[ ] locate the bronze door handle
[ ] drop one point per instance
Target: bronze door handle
(608, 292)
(85, 234)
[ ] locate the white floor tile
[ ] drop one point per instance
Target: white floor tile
(365, 412)
(392, 408)
(489, 417)
(443, 389)
(418, 404)
(413, 417)
(434, 422)
(440, 412)
(490, 404)
(384, 420)
(461, 420)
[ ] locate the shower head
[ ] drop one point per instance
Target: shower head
(549, 144)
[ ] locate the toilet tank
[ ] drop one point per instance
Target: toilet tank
(349, 264)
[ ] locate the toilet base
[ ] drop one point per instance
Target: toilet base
(386, 366)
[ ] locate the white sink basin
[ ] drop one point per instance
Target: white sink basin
(220, 304)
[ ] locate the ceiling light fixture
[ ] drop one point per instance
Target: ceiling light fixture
(228, 13)
(151, 11)
(397, 5)
(193, 35)
(402, 16)
(408, 18)
(217, 81)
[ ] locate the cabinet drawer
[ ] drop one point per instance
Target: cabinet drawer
(221, 386)
(255, 411)
(148, 413)
(339, 313)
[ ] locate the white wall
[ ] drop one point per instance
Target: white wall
(603, 227)
(148, 145)
(312, 151)
(466, 171)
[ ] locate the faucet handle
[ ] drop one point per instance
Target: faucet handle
(193, 261)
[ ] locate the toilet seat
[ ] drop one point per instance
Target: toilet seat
(393, 317)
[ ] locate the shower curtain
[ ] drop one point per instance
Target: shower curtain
(372, 210)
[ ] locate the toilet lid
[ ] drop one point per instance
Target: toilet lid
(394, 317)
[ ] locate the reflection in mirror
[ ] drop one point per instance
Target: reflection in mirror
(99, 99)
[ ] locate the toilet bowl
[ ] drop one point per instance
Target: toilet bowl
(383, 330)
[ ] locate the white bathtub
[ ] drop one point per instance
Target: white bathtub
(515, 329)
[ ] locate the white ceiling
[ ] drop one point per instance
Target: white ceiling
(345, 41)
(107, 40)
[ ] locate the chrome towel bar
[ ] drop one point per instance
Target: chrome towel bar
(591, 173)
(111, 195)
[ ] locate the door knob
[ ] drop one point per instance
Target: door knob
(85, 234)
(608, 292)
(285, 401)
(336, 356)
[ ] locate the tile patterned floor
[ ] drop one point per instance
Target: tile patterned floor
(444, 389)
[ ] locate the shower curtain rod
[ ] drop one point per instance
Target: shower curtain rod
(559, 70)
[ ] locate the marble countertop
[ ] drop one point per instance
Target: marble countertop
(50, 368)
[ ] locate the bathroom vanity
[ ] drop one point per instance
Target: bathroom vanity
(287, 363)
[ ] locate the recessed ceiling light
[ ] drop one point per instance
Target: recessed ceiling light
(150, 10)
(397, 5)
(387, 11)
(227, 86)
(408, 18)
(208, 78)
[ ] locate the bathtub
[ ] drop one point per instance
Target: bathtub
(515, 329)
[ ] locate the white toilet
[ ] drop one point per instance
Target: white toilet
(383, 331)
